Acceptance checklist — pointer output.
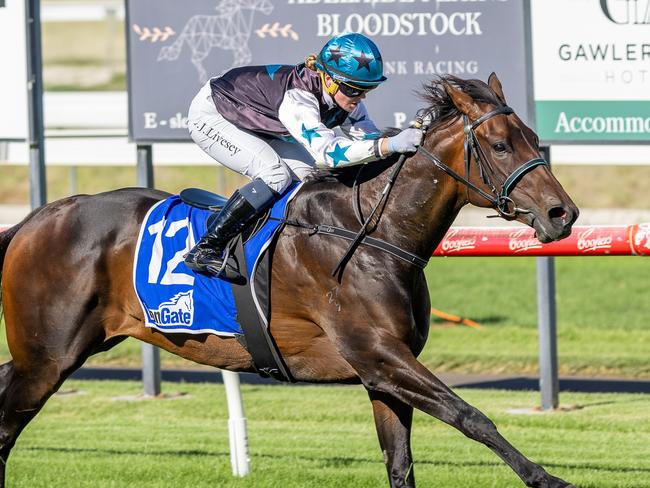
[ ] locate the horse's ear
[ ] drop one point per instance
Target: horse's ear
(495, 84)
(463, 101)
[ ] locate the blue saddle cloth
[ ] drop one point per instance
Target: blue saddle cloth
(173, 297)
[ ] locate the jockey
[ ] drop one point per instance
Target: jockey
(275, 123)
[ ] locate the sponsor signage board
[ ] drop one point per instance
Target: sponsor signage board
(619, 240)
(592, 70)
(13, 81)
(176, 47)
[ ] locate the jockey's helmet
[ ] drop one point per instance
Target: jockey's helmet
(352, 59)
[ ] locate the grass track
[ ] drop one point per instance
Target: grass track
(602, 307)
(315, 437)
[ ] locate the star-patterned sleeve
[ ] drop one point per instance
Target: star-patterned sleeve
(358, 125)
(300, 114)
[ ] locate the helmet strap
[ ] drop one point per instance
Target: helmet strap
(332, 88)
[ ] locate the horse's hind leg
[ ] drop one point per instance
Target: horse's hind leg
(393, 420)
(26, 389)
(45, 353)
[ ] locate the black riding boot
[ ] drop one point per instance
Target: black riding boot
(243, 206)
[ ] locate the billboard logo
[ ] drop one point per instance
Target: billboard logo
(627, 12)
(519, 241)
(153, 34)
(275, 30)
(641, 240)
(451, 243)
(229, 30)
(588, 242)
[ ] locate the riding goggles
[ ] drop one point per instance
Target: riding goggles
(352, 91)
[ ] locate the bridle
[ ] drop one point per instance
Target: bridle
(499, 199)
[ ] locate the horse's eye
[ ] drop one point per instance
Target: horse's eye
(499, 147)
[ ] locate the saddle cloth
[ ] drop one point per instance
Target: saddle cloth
(173, 297)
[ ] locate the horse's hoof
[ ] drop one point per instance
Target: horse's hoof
(560, 483)
(550, 481)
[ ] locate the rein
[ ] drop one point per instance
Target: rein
(472, 147)
(422, 121)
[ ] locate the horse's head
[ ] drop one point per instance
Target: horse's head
(481, 139)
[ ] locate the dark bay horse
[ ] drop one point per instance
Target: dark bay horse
(67, 289)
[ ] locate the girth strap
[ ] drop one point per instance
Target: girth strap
(259, 343)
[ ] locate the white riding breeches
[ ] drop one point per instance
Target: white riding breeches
(275, 162)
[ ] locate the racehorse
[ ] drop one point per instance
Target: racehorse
(228, 30)
(67, 287)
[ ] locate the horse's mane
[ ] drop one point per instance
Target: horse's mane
(439, 103)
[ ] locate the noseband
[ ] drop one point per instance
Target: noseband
(472, 147)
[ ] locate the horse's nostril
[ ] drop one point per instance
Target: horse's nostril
(558, 213)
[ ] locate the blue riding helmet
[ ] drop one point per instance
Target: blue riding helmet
(353, 59)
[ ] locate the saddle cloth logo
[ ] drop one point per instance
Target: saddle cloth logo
(179, 311)
(173, 297)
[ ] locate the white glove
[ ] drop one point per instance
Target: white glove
(406, 141)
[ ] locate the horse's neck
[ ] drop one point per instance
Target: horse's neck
(423, 203)
(417, 213)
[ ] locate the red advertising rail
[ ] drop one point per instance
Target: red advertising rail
(593, 240)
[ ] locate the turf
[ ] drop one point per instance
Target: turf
(309, 436)
(601, 315)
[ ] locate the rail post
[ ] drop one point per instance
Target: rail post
(239, 459)
(151, 374)
(36, 137)
(549, 384)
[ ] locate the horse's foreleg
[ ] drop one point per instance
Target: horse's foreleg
(393, 422)
(387, 365)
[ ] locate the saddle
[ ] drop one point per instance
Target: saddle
(256, 339)
(206, 200)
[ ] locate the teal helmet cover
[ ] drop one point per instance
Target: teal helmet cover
(352, 58)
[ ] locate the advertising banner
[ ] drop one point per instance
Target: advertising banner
(176, 46)
(13, 81)
(592, 70)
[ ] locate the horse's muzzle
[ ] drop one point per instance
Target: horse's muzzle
(555, 222)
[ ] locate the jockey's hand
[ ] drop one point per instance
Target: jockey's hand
(406, 141)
